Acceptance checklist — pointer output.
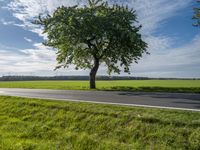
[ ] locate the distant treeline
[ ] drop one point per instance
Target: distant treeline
(34, 78)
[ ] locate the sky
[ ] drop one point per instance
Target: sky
(173, 43)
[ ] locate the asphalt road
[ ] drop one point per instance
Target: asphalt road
(161, 100)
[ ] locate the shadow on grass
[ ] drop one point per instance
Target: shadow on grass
(153, 89)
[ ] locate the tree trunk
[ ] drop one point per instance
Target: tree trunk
(93, 74)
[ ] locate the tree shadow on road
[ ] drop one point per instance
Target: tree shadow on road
(154, 89)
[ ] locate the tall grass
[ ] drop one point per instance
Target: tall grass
(35, 124)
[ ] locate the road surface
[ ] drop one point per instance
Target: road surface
(160, 100)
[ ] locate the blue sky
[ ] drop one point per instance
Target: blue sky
(173, 42)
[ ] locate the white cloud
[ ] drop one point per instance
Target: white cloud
(29, 10)
(4, 22)
(28, 40)
(176, 61)
(150, 13)
(27, 60)
(154, 13)
(40, 60)
(5, 47)
(163, 60)
(159, 43)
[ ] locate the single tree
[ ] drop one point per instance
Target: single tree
(94, 34)
(197, 14)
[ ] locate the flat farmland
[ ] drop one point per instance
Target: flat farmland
(192, 86)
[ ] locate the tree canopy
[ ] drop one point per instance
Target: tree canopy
(94, 34)
(197, 14)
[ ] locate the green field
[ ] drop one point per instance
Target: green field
(42, 125)
(134, 85)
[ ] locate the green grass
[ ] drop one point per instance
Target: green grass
(27, 124)
(133, 85)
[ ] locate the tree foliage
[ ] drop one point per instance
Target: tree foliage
(197, 14)
(94, 34)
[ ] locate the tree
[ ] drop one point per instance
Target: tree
(197, 15)
(94, 34)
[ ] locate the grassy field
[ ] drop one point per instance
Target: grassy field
(27, 124)
(134, 85)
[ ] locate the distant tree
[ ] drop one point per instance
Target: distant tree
(197, 14)
(95, 34)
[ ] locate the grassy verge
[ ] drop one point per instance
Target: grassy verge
(190, 86)
(36, 124)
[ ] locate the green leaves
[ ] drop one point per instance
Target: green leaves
(95, 32)
(197, 15)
